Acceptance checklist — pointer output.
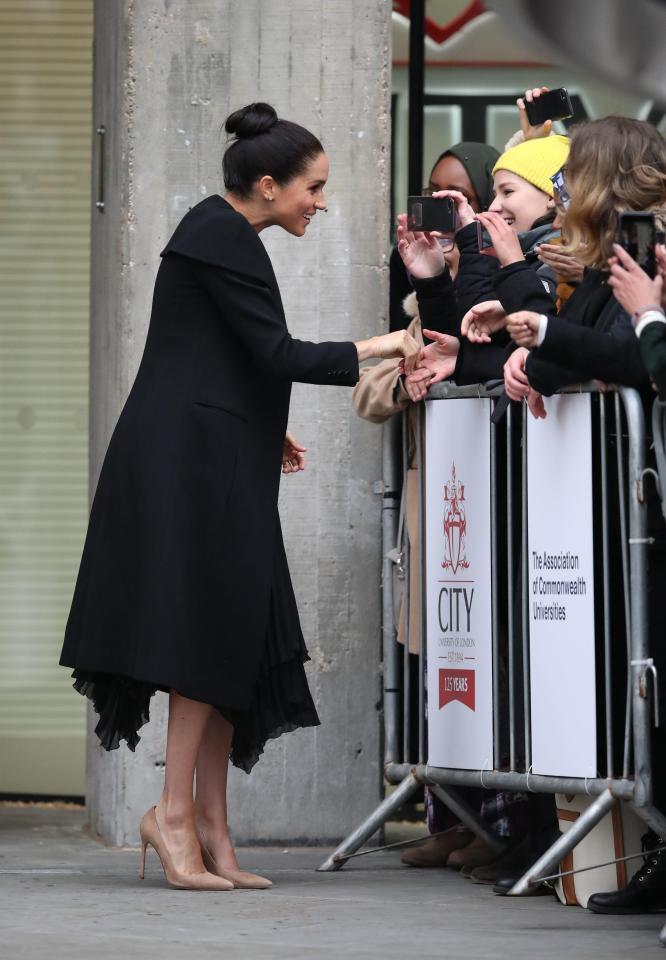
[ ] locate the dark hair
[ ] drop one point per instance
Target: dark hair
(264, 145)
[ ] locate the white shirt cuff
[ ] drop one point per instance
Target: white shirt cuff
(650, 316)
(543, 326)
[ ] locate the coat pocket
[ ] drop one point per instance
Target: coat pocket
(213, 443)
(224, 407)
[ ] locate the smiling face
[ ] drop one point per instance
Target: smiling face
(518, 202)
(295, 203)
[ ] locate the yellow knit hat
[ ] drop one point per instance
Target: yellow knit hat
(536, 160)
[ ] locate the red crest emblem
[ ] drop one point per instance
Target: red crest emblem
(455, 525)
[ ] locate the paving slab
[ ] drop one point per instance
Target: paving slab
(65, 895)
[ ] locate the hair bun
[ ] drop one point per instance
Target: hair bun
(250, 121)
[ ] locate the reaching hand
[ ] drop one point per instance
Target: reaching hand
(523, 327)
(505, 239)
(439, 357)
(420, 252)
(529, 132)
(392, 345)
(482, 320)
(516, 383)
(293, 455)
(564, 265)
(631, 285)
(417, 383)
(463, 208)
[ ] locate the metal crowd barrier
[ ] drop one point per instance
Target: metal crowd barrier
(632, 780)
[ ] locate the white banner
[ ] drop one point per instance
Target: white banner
(458, 573)
(561, 587)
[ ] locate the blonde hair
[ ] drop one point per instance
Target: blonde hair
(614, 164)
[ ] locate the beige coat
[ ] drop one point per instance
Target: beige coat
(377, 396)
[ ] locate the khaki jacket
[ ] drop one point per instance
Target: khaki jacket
(377, 396)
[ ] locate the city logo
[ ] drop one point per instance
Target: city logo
(455, 525)
(457, 685)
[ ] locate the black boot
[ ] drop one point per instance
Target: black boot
(645, 892)
(512, 867)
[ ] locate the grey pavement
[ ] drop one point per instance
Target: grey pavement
(65, 895)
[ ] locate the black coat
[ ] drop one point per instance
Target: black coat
(591, 339)
(184, 538)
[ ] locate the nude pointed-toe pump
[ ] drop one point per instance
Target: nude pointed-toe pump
(151, 836)
(240, 878)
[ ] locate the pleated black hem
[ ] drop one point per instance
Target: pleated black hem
(281, 704)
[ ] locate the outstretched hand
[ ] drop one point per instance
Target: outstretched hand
(482, 320)
(293, 455)
(439, 358)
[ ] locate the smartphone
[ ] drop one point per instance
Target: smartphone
(432, 214)
(637, 234)
(554, 105)
(483, 239)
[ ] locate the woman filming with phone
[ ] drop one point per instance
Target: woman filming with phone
(490, 284)
(614, 164)
(642, 296)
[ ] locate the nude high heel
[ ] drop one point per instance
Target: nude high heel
(240, 878)
(151, 836)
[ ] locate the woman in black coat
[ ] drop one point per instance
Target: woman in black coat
(184, 585)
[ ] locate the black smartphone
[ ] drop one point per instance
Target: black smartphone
(554, 105)
(637, 234)
(432, 214)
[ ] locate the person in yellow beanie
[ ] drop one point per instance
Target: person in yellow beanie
(524, 199)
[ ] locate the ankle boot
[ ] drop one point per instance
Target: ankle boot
(435, 851)
(645, 892)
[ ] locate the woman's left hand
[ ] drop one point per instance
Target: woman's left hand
(505, 240)
(631, 285)
(293, 455)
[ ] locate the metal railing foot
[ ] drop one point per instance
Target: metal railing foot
(371, 824)
(549, 861)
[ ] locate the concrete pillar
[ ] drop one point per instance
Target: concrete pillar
(167, 73)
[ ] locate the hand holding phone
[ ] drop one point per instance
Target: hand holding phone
(637, 234)
(633, 278)
(432, 214)
(542, 105)
(421, 252)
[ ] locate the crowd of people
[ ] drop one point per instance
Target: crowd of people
(184, 585)
(548, 299)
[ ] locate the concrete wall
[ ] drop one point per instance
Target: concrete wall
(167, 73)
